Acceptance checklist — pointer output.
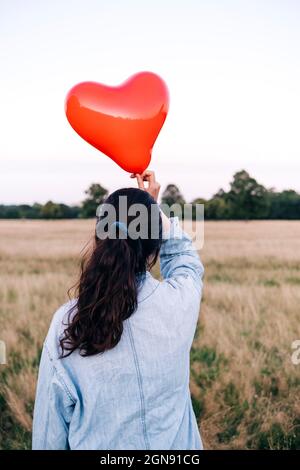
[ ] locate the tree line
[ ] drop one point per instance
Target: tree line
(249, 200)
(246, 200)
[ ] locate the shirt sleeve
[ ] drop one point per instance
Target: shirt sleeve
(180, 263)
(53, 408)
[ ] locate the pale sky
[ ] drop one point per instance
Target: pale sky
(232, 68)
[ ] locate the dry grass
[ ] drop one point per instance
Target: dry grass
(245, 388)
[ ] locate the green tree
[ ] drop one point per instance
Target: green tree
(30, 212)
(69, 212)
(217, 208)
(9, 212)
(172, 201)
(247, 198)
(95, 196)
(51, 210)
(198, 201)
(284, 205)
(172, 195)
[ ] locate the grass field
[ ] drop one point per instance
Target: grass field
(244, 385)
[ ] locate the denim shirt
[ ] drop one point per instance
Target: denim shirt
(136, 395)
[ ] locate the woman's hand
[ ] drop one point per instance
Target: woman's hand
(153, 189)
(153, 186)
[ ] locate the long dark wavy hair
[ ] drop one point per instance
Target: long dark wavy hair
(111, 273)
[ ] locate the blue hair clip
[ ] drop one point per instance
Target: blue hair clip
(121, 226)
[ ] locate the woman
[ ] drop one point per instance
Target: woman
(114, 372)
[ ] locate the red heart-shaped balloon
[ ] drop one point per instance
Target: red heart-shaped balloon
(123, 121)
